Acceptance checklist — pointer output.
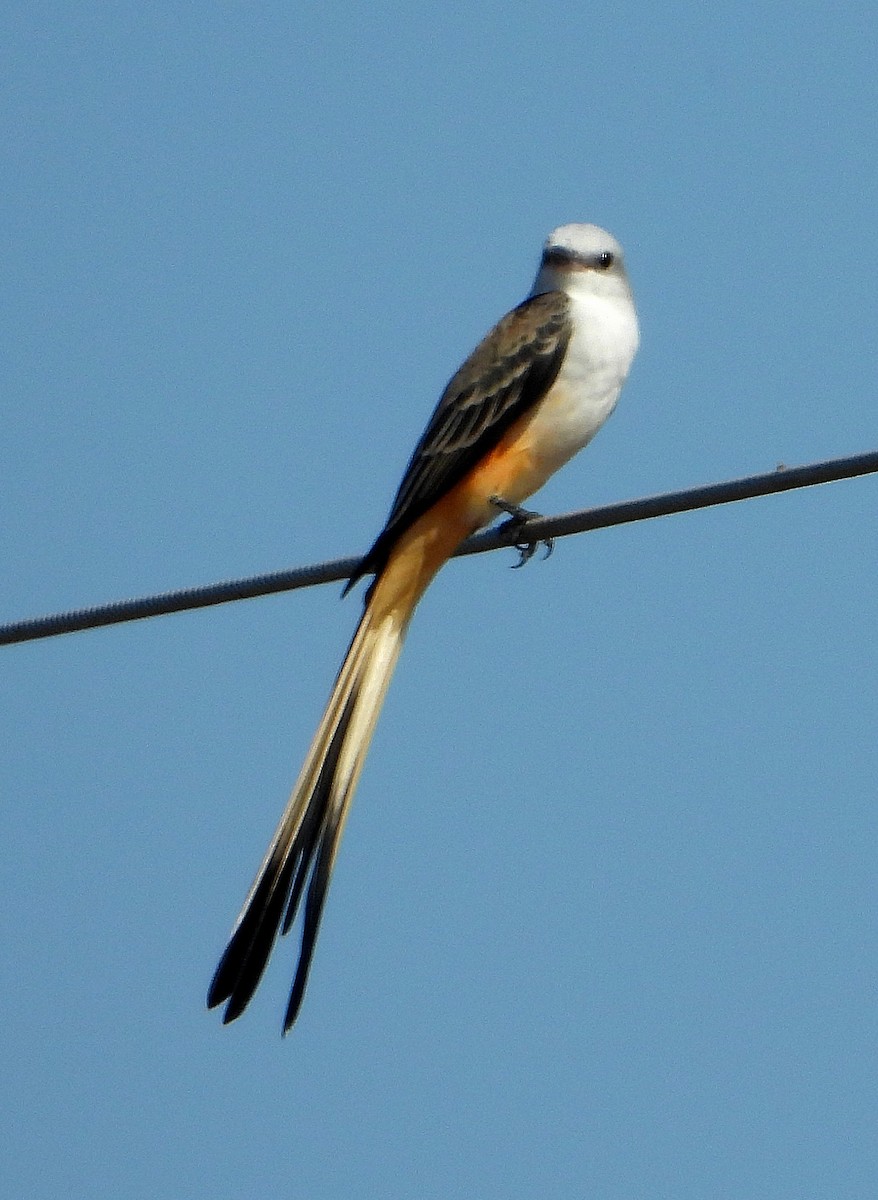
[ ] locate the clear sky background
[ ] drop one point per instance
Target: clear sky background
(603, 922)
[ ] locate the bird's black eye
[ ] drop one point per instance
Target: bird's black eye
(605, 260)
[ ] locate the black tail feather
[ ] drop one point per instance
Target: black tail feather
(277, 896)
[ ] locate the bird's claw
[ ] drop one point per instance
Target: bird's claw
(517, 517)
(526, 551)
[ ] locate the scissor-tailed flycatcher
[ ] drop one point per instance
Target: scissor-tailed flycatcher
(536, 390)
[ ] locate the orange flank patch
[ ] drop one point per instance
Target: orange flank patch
(511, 470)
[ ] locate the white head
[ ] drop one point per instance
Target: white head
(582, 258)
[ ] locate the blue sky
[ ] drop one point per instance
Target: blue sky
(603, 920)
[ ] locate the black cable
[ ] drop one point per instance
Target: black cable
(537, 529)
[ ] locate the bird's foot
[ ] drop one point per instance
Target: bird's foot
(519, 517)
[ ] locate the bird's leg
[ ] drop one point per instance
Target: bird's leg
(518, 517)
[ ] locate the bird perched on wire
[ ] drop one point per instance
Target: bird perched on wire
(535, 391)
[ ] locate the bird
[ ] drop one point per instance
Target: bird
(534, 392)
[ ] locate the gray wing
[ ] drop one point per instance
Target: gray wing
(507, 373)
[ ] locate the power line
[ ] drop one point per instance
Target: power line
(537, 529)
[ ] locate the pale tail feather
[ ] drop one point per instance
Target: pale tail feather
(303, 849)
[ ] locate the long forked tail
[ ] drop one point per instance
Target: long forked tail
(303, 849)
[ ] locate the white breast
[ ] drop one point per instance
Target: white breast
(599, 355)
